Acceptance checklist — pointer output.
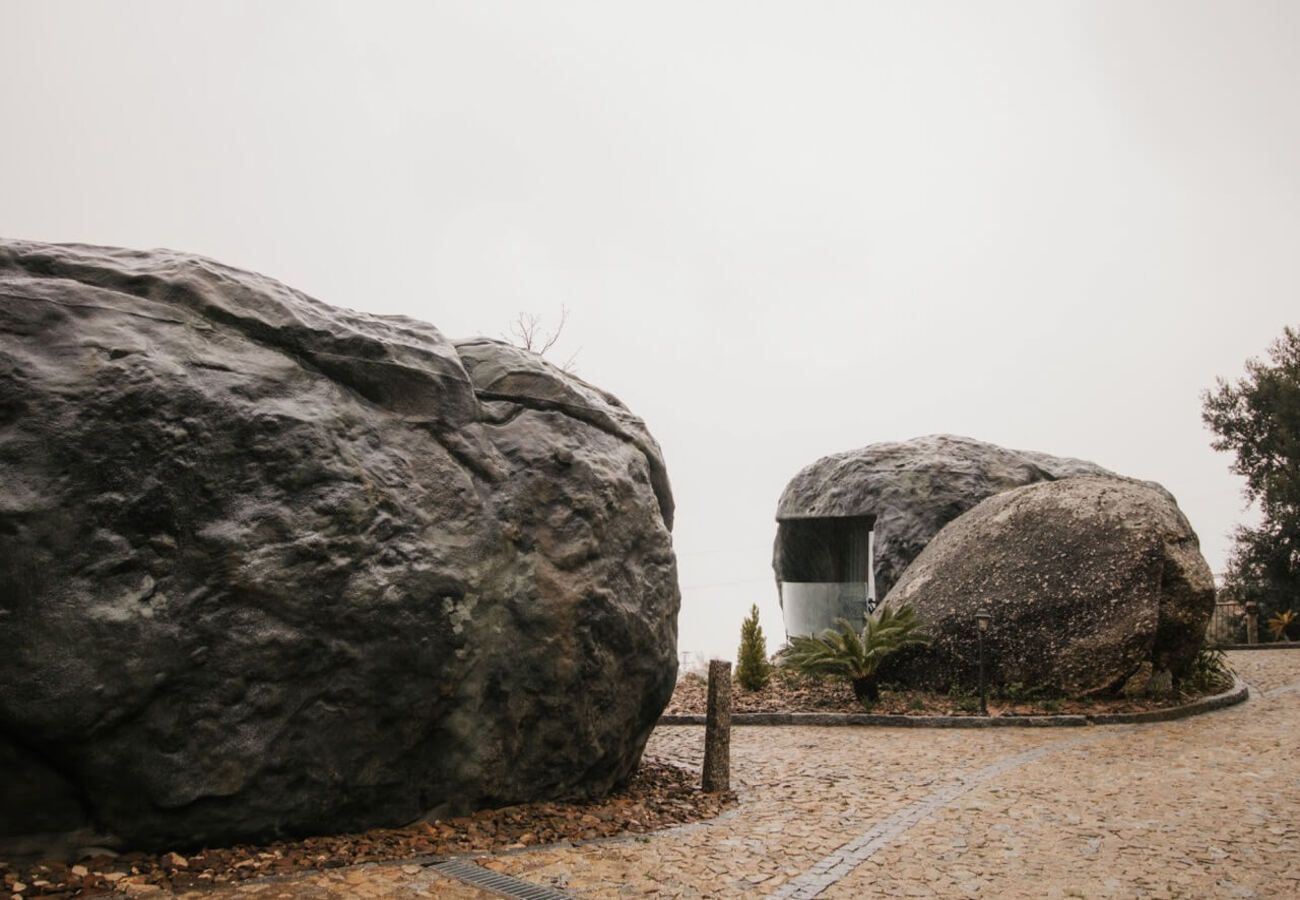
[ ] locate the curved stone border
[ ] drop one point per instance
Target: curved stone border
(1238, 693)
(1280, 645)
(884, 720)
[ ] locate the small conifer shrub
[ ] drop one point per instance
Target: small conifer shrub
(752, 668)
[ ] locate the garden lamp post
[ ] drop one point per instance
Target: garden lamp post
(982, 620)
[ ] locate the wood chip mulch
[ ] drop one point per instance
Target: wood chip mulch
(788, 692)
(658, 796)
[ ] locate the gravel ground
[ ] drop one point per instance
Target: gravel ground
(1203, 807)
(661, 794)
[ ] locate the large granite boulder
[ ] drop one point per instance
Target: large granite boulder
(914, 488)
(1090, 581)
(270, 567)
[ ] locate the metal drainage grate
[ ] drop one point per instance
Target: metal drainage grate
(505, 885)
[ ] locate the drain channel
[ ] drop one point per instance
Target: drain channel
(504, 885)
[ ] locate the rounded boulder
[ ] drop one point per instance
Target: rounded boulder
(274, 568)
(913, 488)
(1088, 580)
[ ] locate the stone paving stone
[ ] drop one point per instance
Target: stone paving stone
(1202, 807)
(1266, 669)
(804, 792)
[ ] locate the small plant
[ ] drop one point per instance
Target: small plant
(963, 700)
(1210, 672)
(752, 668)
(845, 652)
(1278, 625)
(1019, 692)
(786, 678)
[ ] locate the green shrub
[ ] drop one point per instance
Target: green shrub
(963, 700)
(1210, 673)
(752, 668)
(786, 677)
(854, 655)
(1018, 692)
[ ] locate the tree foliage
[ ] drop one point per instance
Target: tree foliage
(752, 668)
(1257, 418)
(844, 652)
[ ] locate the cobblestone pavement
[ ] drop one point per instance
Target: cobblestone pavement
(1204, 807)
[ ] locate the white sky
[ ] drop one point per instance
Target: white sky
(782, 229)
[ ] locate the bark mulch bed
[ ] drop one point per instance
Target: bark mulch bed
(788, 692)
(659, 795)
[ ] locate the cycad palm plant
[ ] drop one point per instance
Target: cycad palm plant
(854, 655)
(1280, 622)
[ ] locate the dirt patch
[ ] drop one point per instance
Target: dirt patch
(788, 692)
(660, 795)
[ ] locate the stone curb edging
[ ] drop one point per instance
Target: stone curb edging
(890, 721)
(1280, 645)
(1238, 693)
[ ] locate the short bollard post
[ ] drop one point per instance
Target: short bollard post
(982, 620)
(717, 728)
(1252, 623)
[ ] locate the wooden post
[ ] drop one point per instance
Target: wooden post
(1252, 623)
(717, 728)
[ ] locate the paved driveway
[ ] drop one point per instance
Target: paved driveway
(1205, 807)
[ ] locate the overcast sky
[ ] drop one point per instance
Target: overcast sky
(782, 230)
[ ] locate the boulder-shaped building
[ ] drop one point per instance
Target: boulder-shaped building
(1090, 582)
(851, 523)
(268, 567)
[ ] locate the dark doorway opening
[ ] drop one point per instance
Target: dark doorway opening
(824, 569)
(824, 550)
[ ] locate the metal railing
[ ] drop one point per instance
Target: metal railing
(1235, 623)
(1227, 624)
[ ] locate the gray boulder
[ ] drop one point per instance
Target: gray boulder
(270, 567)
(914, 488)
(1087, 579)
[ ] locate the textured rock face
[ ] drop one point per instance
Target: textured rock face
(272, 567)
(1087, 580)
(914, 488)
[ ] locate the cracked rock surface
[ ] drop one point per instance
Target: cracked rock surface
(1089, 580)
(269, 567)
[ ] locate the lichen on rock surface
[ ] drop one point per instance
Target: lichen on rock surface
(269, 567)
